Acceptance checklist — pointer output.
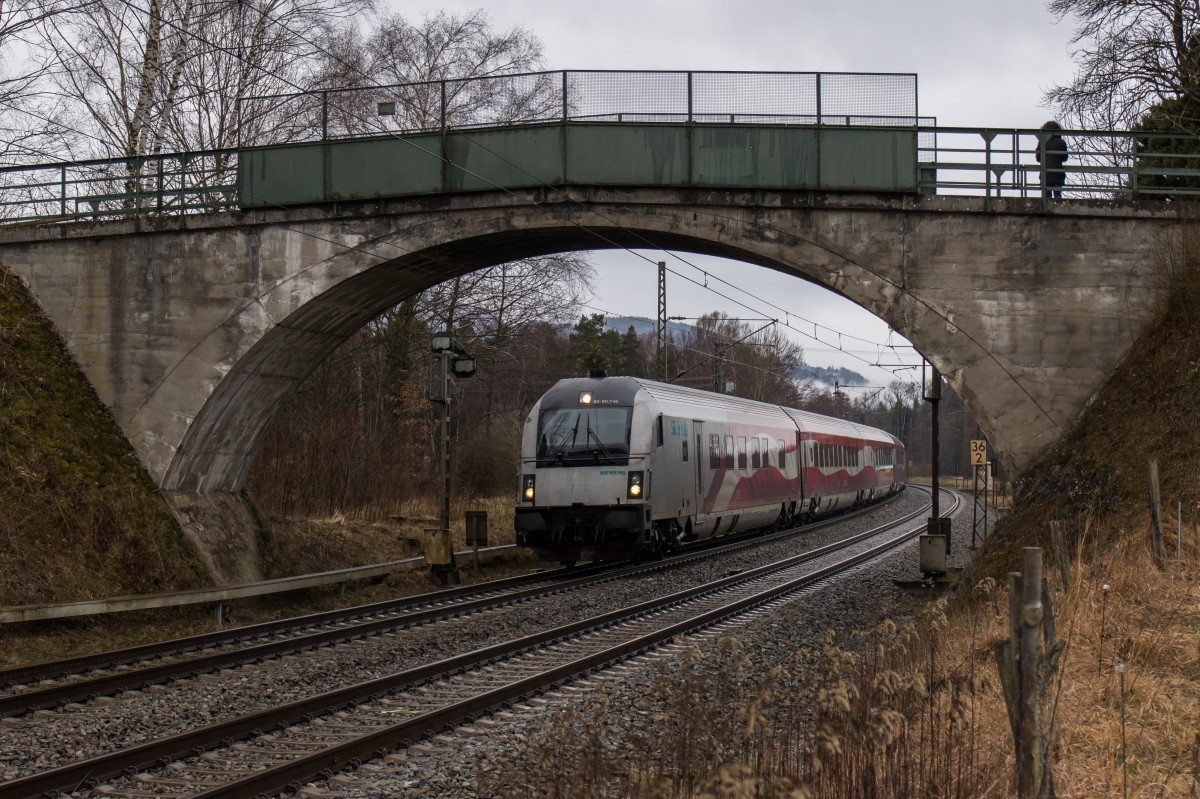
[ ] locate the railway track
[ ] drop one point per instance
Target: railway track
(57, 684)
(283, 747)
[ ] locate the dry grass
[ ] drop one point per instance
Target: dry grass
(909, 711)
(306, 545)
(1148, 623)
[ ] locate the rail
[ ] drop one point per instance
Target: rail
(1114, 166)
(1110, 166)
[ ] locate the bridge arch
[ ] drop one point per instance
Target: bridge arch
(194, 329)
(1022, 333)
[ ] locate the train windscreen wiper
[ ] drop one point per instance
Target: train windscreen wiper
(594, 437)
(558, 453)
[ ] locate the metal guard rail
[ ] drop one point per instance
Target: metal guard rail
(988, 162)
(89, 607)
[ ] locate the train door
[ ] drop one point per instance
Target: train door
(801, 474)
(701, 460)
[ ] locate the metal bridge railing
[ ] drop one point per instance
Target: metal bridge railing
(1108, 165)
(988, 162)
(165, 184)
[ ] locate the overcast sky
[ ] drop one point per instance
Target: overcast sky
(977, 64)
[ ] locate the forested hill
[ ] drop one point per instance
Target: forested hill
(79, 516)
(826, 376)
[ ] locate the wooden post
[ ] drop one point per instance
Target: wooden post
(1031, 766)
(1026, 660)
(1156, 530)
(1006, 661)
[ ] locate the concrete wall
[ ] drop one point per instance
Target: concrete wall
(195, 330)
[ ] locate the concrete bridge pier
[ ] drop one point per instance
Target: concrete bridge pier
(223, 530)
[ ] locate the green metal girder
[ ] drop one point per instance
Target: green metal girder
(582, 154)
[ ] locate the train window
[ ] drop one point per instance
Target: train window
(660, 431)
(728, 452)
(742, 463)
(684, 442)
(572, 436)
(755, 453)
(714, 451)
(782, 451)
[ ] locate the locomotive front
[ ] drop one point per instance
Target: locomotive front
(584, 491)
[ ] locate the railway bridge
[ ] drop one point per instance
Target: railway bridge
(196, 309)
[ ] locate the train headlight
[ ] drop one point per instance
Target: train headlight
(585, 398)
(636, 479)
(527, 487)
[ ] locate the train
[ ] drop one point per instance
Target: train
(616, 468)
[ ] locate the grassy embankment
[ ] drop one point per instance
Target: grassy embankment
(80, 518)
(916, 710)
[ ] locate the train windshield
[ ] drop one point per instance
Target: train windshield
(583, 436)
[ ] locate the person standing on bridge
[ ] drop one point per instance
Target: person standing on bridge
(1052, 154)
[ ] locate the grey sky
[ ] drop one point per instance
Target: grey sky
(978, 63)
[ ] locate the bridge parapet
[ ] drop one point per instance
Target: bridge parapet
(785, 130)
(1118, 168)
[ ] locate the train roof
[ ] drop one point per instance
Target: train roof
(681, 400)
(806, 421)
(830, 425)
(678, 399)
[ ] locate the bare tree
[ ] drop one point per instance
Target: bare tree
(501, 301)
(1131, 56)
(763, 364)
(448, 69)
(168, 76)
(29, 120)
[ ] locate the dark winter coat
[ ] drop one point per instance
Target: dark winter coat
(1055, 149)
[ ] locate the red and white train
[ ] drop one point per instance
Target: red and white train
(621, 467)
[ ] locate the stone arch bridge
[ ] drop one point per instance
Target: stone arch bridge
(195, 329)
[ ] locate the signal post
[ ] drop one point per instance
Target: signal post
(450, 359)
(979, 460)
